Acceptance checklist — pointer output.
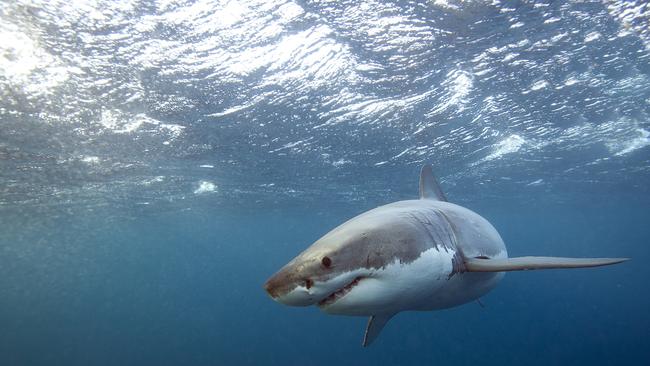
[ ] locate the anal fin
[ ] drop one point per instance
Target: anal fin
(375, 324)
(530, 263)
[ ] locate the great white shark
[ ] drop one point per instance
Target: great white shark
(424, 254)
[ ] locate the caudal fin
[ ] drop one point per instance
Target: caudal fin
(530, 263)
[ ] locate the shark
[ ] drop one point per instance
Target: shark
(414, 255)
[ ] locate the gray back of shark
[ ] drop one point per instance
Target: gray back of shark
(424, 254)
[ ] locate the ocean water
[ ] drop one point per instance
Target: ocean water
(159, 160)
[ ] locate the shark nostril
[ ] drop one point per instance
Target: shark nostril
(309, 283)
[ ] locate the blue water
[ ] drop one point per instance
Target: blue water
(160, 160)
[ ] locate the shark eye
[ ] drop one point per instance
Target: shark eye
(326, 261)
(309, 283)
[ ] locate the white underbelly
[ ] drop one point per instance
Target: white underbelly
(423, 284)
(460, 289)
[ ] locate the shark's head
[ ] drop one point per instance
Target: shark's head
(343, 272)
(328, 268)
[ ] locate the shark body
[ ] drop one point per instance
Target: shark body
(418, 255)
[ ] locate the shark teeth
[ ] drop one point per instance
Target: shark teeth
(333, 297)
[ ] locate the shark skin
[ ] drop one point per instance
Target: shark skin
(414, 255)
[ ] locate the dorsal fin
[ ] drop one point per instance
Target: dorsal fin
(375, 325)
(429, 187)
(529, 263)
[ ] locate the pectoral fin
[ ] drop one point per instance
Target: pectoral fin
(529, 263)
(375, 325)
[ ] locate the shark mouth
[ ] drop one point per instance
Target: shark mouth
(334, 296)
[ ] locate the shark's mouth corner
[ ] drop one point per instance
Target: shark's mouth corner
(334, 296)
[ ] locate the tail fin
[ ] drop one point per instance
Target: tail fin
(529, 263)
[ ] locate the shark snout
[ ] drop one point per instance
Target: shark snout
(270, 289)
(293, 285)
(284, 288)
